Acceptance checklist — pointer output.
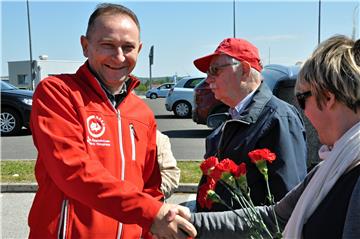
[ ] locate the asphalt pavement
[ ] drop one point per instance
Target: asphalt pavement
(15, 208)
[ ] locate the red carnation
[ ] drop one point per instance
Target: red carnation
(202, 197)
(225, 166)
(261, 154)
(208, 165)
(240, 170)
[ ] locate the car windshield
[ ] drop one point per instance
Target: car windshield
(7, 86)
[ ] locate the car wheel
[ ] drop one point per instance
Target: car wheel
(153, 96)
(10, 122)
(182, 109)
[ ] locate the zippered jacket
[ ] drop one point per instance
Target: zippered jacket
(96, 168)
(266, 122)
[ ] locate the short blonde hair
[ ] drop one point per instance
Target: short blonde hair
(334, 66)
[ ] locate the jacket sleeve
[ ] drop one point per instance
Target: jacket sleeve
(228, 225)
(152, 172)
(59, 138)
(170, 173)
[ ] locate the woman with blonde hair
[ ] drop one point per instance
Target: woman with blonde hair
(327, 203)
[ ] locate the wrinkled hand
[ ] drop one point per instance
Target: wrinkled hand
(181, 211)
(172, 222)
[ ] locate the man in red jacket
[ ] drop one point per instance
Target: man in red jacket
(96, 169)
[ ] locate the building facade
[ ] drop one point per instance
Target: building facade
(20, 71)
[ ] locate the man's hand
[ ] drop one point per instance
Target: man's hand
(170, 223)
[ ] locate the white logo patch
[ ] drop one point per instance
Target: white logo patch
(96, 126)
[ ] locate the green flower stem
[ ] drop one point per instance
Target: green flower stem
(271, 200)
(248, 208)
(247, 213)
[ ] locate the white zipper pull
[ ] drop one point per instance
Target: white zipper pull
(133, 146)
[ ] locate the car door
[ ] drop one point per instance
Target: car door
(164, 90)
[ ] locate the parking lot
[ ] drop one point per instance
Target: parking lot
(187, 137)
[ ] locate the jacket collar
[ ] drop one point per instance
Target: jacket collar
(86, 74)
(253, 110)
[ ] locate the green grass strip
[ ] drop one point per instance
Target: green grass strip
(21, 171)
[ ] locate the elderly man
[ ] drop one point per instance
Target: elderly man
(258, 120)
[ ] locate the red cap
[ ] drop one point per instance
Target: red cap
(237, 48)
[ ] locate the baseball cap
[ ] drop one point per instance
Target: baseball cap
(237, 48)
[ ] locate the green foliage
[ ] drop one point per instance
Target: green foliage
(142, 88)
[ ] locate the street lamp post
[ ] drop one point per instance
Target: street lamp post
(30, 48)
(151, 62)
(319, 22)
(355, 23)
(234, 18)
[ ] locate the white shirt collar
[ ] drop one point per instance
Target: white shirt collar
(235, 112)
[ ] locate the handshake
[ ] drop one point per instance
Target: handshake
(173, 221)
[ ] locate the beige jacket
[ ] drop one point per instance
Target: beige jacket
(170, 173)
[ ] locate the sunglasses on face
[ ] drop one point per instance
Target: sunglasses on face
(301, 98)
(214, 70)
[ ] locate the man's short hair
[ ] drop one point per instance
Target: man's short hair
(110, 9)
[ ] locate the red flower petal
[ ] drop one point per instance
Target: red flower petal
(208, 164)
(225, 166)
(202, 197)
(240, 170)
(261, 154)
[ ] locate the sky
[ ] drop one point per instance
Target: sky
(285, 32)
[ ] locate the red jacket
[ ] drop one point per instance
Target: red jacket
(96, 165)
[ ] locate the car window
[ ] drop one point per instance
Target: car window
(192, 83)
(7, 86)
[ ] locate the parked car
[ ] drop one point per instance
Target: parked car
(281, 80)
(15, 108)
(160, 91)
(180, 99)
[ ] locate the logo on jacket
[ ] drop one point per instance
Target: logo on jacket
(96, 126)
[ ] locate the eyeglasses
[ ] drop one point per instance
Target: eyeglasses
(301, 98)
(214, 70)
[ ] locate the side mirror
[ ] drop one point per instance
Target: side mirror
(215, 120)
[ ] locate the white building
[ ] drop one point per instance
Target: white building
(19, 71)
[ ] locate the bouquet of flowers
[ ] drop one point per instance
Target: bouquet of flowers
(233, 178)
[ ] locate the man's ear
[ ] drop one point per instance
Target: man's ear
(140, 47)
(330, 100)
(245, 68)
(84, 44)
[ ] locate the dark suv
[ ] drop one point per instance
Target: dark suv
(15, 108)
(280, 79)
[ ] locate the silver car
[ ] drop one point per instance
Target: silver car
(180, 99)
(160, 91)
